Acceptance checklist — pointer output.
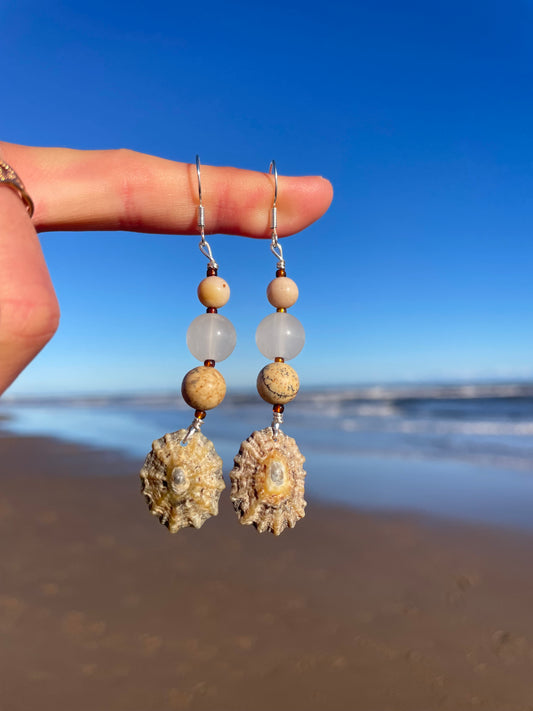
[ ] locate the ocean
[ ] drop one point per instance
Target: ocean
(457, 451)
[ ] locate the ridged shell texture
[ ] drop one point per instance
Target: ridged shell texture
(182, 485)
(267, 482)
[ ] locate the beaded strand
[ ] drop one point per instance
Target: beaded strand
(211, 337)
(280, 336)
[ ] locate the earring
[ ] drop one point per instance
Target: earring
(182, 476)
(267, 481)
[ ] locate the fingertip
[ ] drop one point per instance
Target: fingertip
(319, 190)
(327, 190)
(307, 200)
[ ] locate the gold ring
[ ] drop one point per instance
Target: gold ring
(11, 179)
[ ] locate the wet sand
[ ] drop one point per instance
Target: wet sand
(102, 608)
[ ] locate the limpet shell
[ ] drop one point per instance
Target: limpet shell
(182, 485)
(267, 482)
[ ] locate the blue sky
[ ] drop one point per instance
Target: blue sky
(419, 113)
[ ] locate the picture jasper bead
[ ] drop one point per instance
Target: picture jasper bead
(282, 292)
(203, 388)
(278, 383)
(213, 291)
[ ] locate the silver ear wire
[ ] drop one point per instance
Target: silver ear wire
(275, 246)
(271, 168)
(201, 213)
(204, 246)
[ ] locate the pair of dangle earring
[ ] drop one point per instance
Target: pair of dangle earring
(182, 475)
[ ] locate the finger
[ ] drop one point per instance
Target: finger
(29, 313)
(124, 190)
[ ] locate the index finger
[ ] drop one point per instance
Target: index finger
(125, 190)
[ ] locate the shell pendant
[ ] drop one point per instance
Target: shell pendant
(182, 484)
(267, 482)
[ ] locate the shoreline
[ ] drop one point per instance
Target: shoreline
(447, 488)
(101, 607)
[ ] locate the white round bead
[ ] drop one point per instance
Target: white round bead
(280, 335)
(211, 337)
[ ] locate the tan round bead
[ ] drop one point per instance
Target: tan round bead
(278, 383)
(213, 291)
(282, 292)
(203, 388)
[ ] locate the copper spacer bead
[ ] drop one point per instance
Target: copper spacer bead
(200, 414)
(281, 310)
(209, 363)
(281, 272)
(278, 408)
(278, 359)
(211, 310)
(212, 272)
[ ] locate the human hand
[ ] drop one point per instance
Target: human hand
(120, 190)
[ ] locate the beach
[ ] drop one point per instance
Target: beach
(102, 608)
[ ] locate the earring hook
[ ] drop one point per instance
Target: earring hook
(275, 246)
(272, 168)
(199, 178)
(205, 249)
